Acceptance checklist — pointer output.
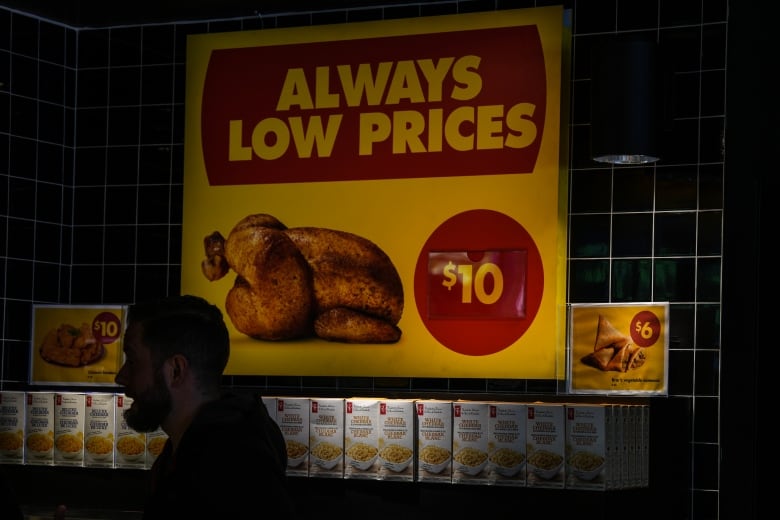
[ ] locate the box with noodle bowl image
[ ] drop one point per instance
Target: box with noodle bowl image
(396, 440)
(506, 444)
(586, 446)
(470, 420)
(69, 410)
(326, 437)
(292, 416)
(130, 445)
(546, 445)
(12, 407)
(155, 442)
(434, 440)
(361, 438)
(39, 428)
(99, 430)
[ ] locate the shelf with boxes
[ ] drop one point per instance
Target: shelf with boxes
(83, 429)
(553, 445)
(578, 445)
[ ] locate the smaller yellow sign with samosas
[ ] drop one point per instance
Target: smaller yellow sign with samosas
(618, 348)
(79, 345)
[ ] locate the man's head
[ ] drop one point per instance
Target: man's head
(164, 341)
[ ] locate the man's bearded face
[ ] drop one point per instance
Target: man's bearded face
(150, 407)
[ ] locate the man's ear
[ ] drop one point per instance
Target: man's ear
(179, 366)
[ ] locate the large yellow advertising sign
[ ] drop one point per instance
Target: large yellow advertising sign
(382, 198)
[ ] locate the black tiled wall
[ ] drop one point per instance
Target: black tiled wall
(91, 166)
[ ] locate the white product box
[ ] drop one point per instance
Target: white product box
(612, 472)
(434, 440)
(69, 409)
(627, 445)
(39, 429)
(618, 473)
(645, 445)
(636, 445)
(586, 446)
(506, 444)
(326, 437)
(470, 426)
(270, 405)
(130, 447)
(396, 439)
(155, 442)
(292, 416)
(12, 406)
(546, 440)
(361, 438)
(99, 430)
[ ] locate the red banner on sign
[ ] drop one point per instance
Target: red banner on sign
(288, 113)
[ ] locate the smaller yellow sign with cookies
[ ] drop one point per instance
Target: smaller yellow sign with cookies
(618, 348)
(76, 344)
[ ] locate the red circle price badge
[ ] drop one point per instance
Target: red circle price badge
(106, 327)
(645, 328)
(479, 282)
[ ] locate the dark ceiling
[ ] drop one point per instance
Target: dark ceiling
(106, 13)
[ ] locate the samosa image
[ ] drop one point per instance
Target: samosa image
(613, 350)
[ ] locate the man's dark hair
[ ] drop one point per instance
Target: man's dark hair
(187, 325)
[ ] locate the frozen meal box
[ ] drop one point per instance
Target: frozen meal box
(155, 442)
(292, 416)
(470, 442)
(99, 430)
(506, 444)
(69, 408)
(39, 428)
(12, 406)
(326, 437)
(645, 460)
(361, 438)
(434, 440)
(612, 468)
(396, 439)
(130, 447)
(586, 446)
(546, 444)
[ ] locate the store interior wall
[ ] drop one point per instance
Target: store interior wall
(91, 167)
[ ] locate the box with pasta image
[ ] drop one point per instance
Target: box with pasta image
(39, 429)
(586, 446)
(99, 430)
(69, 409)
(155, 442)
(292, 416)
(12, 406)
(506, 444)
(361, 438)
(470, 442)
(546, 445)
(396, 439)
(326, 437)
(130, 447)
(434, 440)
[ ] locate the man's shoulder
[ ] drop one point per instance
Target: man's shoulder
(233, 418)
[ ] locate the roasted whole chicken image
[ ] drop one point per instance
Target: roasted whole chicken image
(613, 351)
(306, 281)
